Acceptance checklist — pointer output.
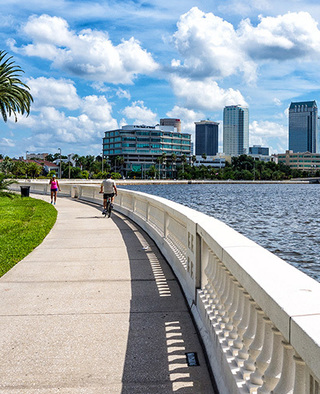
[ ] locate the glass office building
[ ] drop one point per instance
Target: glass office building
(303, 119)
(207, 137)
(141, 146)
(235, 130)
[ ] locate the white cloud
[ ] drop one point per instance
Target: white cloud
(89, 54)
(205, 94)
(7, 142)
(50, 92)
(267, 133)
(187, 117)
(277, 102)
(210, 47)
(140, 114)
(290, 36)
(93, 118)
(123, 94)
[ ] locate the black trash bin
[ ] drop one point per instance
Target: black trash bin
(25, 190)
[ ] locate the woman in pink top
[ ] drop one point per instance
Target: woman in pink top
(54, 188)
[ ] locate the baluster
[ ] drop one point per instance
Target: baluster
(239, 304)
(238, 342)
(232, 306)
(300, 381)
(214, 305)
(222, 296)
(256, 346)
(285, 384)
(272, 374)
(222, 310)
(264, 357)
(206, 260)
(227, 306)
(210, 272)
(248, 336)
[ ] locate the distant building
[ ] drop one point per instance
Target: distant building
(140, 147)
(217, 161)
(303, 118)
(207, 137)
(305, 161)
(235, 130)
(38, 156)
(258, 150)
(171, 122)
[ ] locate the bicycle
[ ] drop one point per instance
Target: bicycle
(108, 209)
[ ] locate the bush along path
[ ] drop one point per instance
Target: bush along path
(24, 223)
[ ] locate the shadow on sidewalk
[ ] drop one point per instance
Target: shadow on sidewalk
(161, 329)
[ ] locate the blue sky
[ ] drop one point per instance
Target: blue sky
(93, 66)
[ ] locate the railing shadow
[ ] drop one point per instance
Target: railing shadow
(161, 330)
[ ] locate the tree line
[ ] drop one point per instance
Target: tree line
(242, 167)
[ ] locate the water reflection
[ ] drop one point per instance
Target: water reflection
(282, 218)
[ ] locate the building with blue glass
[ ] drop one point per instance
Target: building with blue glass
(207, 137)
(235, 130)
(258, 150)
(141, 147)
(303, 119)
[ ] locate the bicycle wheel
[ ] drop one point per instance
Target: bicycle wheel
(105, 211)
(109, 209)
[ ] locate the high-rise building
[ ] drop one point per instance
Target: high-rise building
(303, 118)
(235, 130)
(207, 137)
(171, 122)
(141, 147)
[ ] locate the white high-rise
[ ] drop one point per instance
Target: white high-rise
(235, 130)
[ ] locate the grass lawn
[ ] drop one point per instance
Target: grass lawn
(24, 222)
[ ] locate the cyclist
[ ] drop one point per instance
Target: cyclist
(109, 189)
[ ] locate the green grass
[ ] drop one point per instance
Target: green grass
(24, 222)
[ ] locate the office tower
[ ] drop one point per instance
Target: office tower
(235, 130)
(140, 146)
(207, 137)
(171, 122)
(303, 118)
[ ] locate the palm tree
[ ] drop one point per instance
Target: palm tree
(173, 162)
(4, 185)
(14, 95)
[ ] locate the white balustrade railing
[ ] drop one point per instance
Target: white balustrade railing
(259, 317)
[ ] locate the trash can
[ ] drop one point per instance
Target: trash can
(25, 190)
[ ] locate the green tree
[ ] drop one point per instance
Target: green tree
(14, 94)
(4, 185)
(33, 169)
(6, 165)
(152, 172)
(19, 168)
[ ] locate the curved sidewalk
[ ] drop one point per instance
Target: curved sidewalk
(96, 309)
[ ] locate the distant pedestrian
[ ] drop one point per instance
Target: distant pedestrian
(54, 189)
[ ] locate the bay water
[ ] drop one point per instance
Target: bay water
(283, 218)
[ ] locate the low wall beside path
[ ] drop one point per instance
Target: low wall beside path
(259, 317)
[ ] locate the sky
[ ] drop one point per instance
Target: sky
(94, 66)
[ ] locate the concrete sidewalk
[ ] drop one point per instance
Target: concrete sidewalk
(96, 309)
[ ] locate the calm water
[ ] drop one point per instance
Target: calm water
(282, 218)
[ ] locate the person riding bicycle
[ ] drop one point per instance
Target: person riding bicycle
(109, 189)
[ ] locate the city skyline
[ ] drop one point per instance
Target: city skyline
(95, 66)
